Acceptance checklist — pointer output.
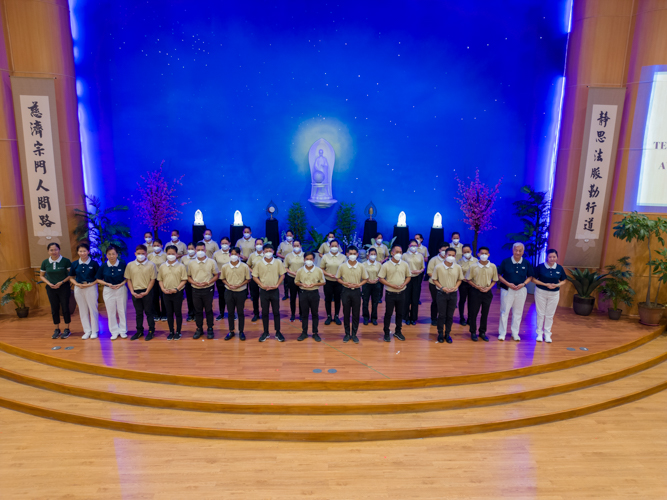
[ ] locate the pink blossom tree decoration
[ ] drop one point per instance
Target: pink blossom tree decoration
(476, 200)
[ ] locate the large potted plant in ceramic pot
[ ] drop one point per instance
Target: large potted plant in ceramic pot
(585, 282)
(17, 295)
(638, 227)
(616, 287)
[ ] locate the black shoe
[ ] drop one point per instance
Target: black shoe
(316, 337)
(434, 323)
(463, 321)
(441, 338)
(303, 336)
(177, 336)
(285, 297)
(375, 322)
(387, 337)
(399, 336)
(292, 318)
(255, 318)
(365, 321)
(163, 318)
(448, 339)
(149, 336)
(170, 336)
(198, 334)
(189, 318)
(280, 337)
(230, 335)
(355, 339)
(346, 338)
(209, 333)
(406, 321)
(328, 320)
(66, 333)
(483, 337)
(420, 302)
(413, 323)
(156, 318)
(242, 336)
(56, 333)
(337, 320)
(473, 337)
(137, 335)
(264, 336)
(218, 317)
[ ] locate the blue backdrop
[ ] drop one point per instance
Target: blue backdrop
(232, 94)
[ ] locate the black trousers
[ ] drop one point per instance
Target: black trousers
(59, 300)
(286, 287)
(479, 300)
(203, 300)
(434, 301)
(351, 299)
(309, 303)
(235, 302)
(332, 291)
(143, 306)
(254, 295)
(446, 307)
(412, 293)
(464, 294)
(173, 303)
(270, 298)
(221, 296)
(159, 308)
(393, 301)
(372, 292)
(188, 296)
(293, 293)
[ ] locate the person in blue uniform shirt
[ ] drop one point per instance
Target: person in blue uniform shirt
(548, 278)
(111, 275)
(514, 273)
(84, 274)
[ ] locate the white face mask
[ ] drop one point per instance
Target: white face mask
(334, 250)
(174, 238)
(171, 258)
(259, 248)
(201, 254)
(289, 238)
(296, 249)
(207, 237)
(141, 257)
(443, 253)
(234, 258)
(419, 242)
(310, 263)
(330, 240)
(268, 255)
(246, 236)
(191, 253)
(157, 249)
(455, 241)
(352, 258)
(451, 259)
(467, 255)
(397, 256)
(148, 240)
(378, 241)
(224, 247)
(483, 257)
(372, 257)
(413, 249)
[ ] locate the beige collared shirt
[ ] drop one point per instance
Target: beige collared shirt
(458, 248)
(235, 274)
(352, 274)
(158, 260)
(414, 260)
(268, 273)
(202, 271)
(382, 251)
(186, 259)
(211, 248)
(324, 249)
(431, 267)
(481, 275)
(372, 268)
(247, 246)
(306, 276)
(140, 274)
(294, 261)
(448, 276)
(253, 259)
(221, 258)
(182, 247)
(465, 263)
(284, 248)
(171, 275)
(330, 264)
(396, 274)
(423, 250)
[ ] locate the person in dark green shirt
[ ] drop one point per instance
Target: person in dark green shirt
(55, 273)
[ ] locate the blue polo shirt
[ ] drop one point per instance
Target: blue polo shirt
(548, 275)
(514, 273)
(84, 272)
(114, 275)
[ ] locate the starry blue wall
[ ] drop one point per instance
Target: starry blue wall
(232, 94)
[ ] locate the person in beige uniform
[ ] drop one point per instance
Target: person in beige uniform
(332, 290)
(255, 257)
(236, 276)
(285, 248)
(158, 257)
(419, 238)
(268, 273)
(211, 246)
(438, 259)
(190, 255)
(412, 293)
(293, 262)
(456, 244)
(447, 278)
(326, 246)
(221, 257)
(464, 290)
(381, 248)
(482, 277)
(246, 244)
(202, 274)
(141, 275)
(172, 277)
(352, 276)
(395, 275)
(372, 290)
(176, 241)
(309, 279)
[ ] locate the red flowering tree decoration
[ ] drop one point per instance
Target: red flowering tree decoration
(476, 200)
(155, 203)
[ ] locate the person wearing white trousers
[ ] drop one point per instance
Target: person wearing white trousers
(548, 279)
(111, 275)
(84, 271)
(514, 274)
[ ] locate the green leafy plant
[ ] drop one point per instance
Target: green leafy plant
(616, 285)
(296, 220)
(315, 241)
(17, 295)
(585, 281)
(266, 240)
(534, 214)
(346, 221)
(660, 269)
(388, 244)
(638, 227)
(100, 228)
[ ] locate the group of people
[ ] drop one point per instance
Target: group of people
(159, 275)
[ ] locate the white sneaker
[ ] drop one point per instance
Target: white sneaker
(93, 335)
(114, 336)
(516, 337)
(123, 335)
(539, 338)
(547, 337)
(86, 336)
(501, 338)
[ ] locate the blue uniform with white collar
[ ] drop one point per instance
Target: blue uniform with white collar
(514, 273)
(547, 275)
(84, 272)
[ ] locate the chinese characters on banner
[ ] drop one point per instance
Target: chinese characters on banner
(41, 167)
(594, 188)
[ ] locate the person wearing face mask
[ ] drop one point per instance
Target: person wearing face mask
(332, 289)
(285, 248)
(352, 276)
(465, 262)
(413, 291)
(158, 257)
(456, 244)
(514, 273)
(236, 276)
(211, 245)
(419, 238)
(447, 277)
(380, 248)
(221, 258)
(83, 275)
(309, 278)
(437, 260)
(482, 277)
(190, 255)
(180, 246)
(141, 275)
(293, 262)
(254, 258)
(326, 246)
(548, 279)
(111, 276)
(246, 244)
(172, 277)
(372, 290)
(268, 273)
(148, 239)
(395, 275)
(203, 272)
(55, 273)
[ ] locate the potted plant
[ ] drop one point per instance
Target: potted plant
(616, 287)
(296, 220)
(346, 222)
(638, 227)
(585, 282)
(17, 295)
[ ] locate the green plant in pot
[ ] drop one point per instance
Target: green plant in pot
(638, 227)
(17, 295)
(616, 287)
(585, 283)
(296, 220)
(346, 221)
